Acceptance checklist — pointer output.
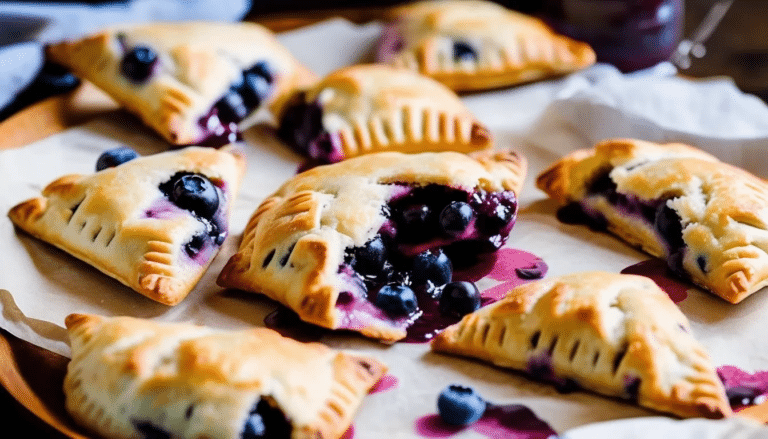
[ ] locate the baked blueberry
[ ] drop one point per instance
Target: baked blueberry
(396, 300)
(460, 405)
(114, 157)
(137, 65)
(459, 299)
(456, 217)
(231, 107)
(257, 84)
(744, 396)
(195, 244)
(195, 193)
(463, 51)
(431, 266)
(266, 421)
(370, 258)
(415, 221)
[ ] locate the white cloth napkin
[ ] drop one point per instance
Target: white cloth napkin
(712, 114)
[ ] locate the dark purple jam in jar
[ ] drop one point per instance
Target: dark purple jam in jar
(630, 34)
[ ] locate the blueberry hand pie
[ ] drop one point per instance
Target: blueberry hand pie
(132, 378)
(473, 45)
(707, 219)
(193, 83)
(364, 243)
(614, 334)
(154, 223)
(372, 108)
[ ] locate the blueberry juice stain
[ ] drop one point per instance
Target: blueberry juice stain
(658, 271)
(742, 388)
(513, 421)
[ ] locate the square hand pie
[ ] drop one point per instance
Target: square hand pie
(706, 218)
(133, 378)
(154, 223)
(472, 45)
(192, 82)
(351, 245)
(372, 108)
(615, 334)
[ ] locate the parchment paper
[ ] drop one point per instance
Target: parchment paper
(40, 285)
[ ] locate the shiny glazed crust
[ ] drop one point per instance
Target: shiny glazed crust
(376, 108)
(723, 209)
(100, 219)
(314, 217)
(511, 47)
(601, 330)
(198, 61)
(199, 382)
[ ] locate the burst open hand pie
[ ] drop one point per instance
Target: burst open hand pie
(619, 335)
(154, 223)
(706, 218)
(361, 244)
(193, 82)
(133, 378)
(372, 108)
(473, 45)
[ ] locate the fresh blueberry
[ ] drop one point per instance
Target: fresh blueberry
(301, 124)
(138, 63)
(495, 211)
(460, 405)
(266, 421)
(463, 51)
(370, 258)
(456, 217)
(231, 107)
(459, 299)
(432, 267)
(113, 157)
(257, 84)
(396, 300)
(56, 78)
(195, 193)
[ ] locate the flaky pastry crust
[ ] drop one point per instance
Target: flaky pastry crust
(619, 335)
(102, 219)
(509, 47)
(194, 381)
(722, 210)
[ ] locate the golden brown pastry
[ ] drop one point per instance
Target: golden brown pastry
(615, 334)
(192, 82)
(133, 378)
(706, 218)
(330, 240)
(472, 45)
(372, 108)
(154, 223)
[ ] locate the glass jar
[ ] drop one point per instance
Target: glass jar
(630, 34)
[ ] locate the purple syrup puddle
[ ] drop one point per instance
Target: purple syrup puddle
(513, 268)
(658, 271)
(288, 324)
(385, 383)
(742, 388)
(509, 421)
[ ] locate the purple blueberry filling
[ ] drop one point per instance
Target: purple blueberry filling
(147, 430)
(463, 51)
(266, 421)
(138, 64)
(243, 97)
(187, 193)
(403, 274)
(302, 128)
(656, 213)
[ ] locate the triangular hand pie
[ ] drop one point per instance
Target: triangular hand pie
(154, 223)
(619, 335)
(133, 378)
(372, 108)
(708, 219)
(329, 240)
(192, 82)
(475, 45)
